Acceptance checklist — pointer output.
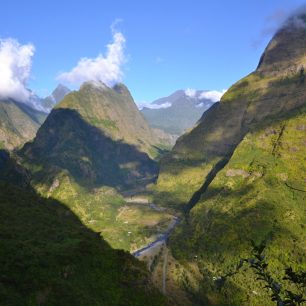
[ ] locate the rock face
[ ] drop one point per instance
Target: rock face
(18, 123)
(178, 112)
(240, 176)
(98, 135)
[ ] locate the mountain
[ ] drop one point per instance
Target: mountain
(48, 257)
(98, 135)
(94, 146)
(56, 96)
(18, 123)
(178, 112)
(240, 175)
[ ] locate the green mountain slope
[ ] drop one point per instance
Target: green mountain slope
(270, 91)
(18, 123)
(89, 151)
(113, 111)
(260, 194)
(240, 174)
(48, 257)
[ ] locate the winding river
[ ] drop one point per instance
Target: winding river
(161, 239)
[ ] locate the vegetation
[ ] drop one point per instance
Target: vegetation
(259, 193)
(18, 123)
(48, 257)
(113, 111)
(278, 294)
(258, 130)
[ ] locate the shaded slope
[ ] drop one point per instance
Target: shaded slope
(48, 257)
(18, 123)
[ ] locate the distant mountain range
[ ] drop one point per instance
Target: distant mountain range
(178, 112)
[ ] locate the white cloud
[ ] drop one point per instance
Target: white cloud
(142, 105)
(105, 68)
(191, 93)
(199, 105)
(296, 22)
(15, 69)
(213, 95)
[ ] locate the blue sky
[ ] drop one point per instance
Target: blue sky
(169, 45)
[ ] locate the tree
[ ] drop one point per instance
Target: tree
(279, 294)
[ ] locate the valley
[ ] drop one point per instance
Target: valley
(195, 199)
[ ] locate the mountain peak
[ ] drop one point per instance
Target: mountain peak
(112, 110)
(60, 88)
(56, 96)
(121, 88)
(286, 52)
(94, 85)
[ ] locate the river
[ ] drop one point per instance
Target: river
(161, 239)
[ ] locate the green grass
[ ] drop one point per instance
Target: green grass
(106, 123)
(123, 225)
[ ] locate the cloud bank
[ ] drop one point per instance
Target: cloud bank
(15, 67)
(105, 68)
(142, 105)
(213, 95)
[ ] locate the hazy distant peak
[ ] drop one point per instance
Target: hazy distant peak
(60, 91)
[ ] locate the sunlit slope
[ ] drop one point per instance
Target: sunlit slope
(112, 110)
(260, 194)
(18, 123)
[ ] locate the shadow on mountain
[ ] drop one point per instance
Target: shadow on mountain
(67, 142)
(48, 257)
